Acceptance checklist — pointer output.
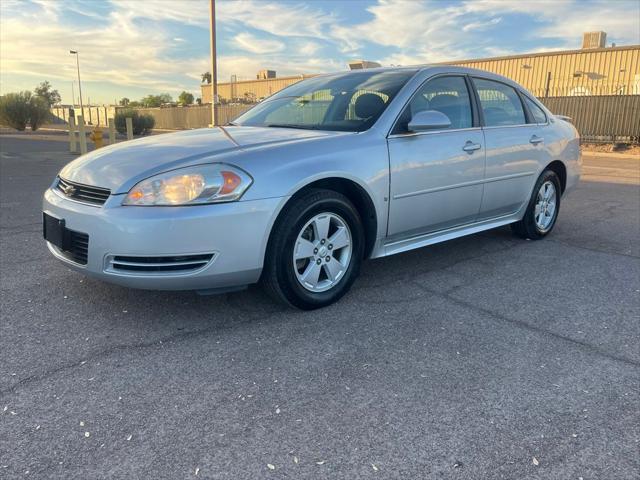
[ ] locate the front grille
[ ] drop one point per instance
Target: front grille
(182, 263)
(83, 193)
(78, 247)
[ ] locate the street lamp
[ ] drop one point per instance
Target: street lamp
(214, 68)
(75, 52)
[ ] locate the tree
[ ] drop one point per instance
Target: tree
(206, 77)
(124, 101)
(185, 98)
(44, 91)
(156, 100)
(15, 109)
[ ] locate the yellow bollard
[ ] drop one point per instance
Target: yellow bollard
(72, 135)
(83, 137)
(96, 137)
(129, 122)
(112, 132)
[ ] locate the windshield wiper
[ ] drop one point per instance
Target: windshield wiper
(291, 125)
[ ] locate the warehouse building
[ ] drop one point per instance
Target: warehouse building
(592, 70)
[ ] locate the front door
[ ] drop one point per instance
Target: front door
(436, 176)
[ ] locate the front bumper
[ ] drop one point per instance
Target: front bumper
(236, 234)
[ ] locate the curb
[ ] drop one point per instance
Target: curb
(634, 156)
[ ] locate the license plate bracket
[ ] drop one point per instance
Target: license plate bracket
(55, 231)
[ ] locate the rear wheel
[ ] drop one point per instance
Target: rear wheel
(315, 251)
(542, 211)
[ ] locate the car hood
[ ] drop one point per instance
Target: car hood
(119, 167)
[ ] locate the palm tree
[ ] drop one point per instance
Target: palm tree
(206, 77)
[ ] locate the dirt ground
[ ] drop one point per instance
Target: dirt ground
(609, 147)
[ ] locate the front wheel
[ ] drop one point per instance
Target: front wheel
(542, 211)
(315, 251)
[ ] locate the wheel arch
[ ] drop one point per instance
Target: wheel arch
(559, 169)
(351, 189)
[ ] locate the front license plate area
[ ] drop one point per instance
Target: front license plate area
(55, 232)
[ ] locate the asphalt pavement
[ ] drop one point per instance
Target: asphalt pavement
(486, 357)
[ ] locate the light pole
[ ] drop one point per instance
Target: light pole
(214, 69)
(75, 52)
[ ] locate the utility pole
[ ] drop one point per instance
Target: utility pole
(73, 95)
(75, 52)
(214, 69)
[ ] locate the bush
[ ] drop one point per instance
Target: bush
(19, 109)
(15, 109)
(142, 124)
(39, 112)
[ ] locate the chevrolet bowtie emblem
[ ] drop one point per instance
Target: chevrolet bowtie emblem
(69, 190)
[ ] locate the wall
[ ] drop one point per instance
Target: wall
(257, 89)
(602, 71)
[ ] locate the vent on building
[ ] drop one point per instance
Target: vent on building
(264, 74)
(362, 64)
(594, 40)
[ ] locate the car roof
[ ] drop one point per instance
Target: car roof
(435, 69)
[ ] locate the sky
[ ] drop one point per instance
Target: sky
(131, 48)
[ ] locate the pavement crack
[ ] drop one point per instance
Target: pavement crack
(533, 328)
(591, 249)
(106, 352)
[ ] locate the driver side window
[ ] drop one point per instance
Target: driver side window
(448, 95)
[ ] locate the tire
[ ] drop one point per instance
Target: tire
(292, 281)
(532, 226)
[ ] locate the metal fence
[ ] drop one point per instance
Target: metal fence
(601, 118)
(177, 118)
(598, 118)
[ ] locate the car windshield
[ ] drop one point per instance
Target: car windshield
(350, 102)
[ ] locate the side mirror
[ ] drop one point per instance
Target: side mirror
(428, 120)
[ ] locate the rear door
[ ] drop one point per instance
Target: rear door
(436, 176)
(513, 148)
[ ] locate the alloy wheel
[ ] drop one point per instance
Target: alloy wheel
(322, 252)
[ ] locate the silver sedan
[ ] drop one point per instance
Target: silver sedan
(303, 187)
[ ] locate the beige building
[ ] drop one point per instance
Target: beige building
(592, 70)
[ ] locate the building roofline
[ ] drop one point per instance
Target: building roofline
(540, 54)
(288, 77)
(453, 62)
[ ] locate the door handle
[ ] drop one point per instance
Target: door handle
(536, 139)
(471, 147)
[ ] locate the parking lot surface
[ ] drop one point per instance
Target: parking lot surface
(484, 357)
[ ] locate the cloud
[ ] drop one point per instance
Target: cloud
(253, 44)
(159, 45)
(481, 25)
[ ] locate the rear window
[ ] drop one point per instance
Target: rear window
(500, 103)
(538, 114)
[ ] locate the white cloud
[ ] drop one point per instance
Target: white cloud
(289, 36)
(308, 48)
(569, 19)
(481, 25)
(253, 44)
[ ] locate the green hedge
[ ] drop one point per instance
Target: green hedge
(142, 124)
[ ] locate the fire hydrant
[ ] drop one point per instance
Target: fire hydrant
(96, 137)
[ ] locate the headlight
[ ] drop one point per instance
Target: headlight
(191, 186)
